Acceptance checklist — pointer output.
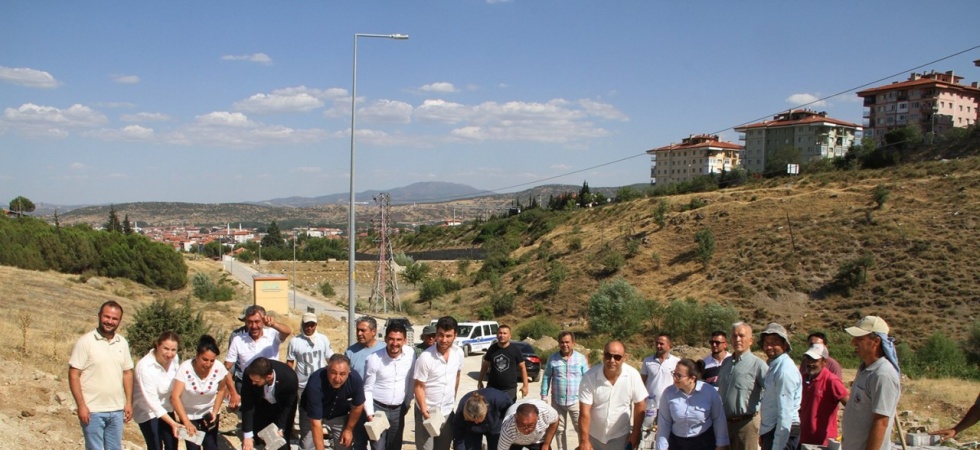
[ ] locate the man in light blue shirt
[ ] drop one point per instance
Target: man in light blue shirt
(783, 391)
(562, 376)
(367, 343)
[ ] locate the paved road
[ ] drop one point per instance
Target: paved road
(243, 272)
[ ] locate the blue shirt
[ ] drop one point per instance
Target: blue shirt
(323, 402)
(566, 375)
(497, 404)
(358, 354)
(783, 391)
(691, 415)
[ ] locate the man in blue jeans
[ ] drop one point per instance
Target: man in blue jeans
(100, 376)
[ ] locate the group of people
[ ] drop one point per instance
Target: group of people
(734, 399)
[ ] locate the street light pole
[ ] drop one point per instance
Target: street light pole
(294, 270)
(351, 228)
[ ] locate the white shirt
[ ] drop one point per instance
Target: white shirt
(659, 376)
(269, 390)
(612, 404)
(510, 435)
(152, 387)
(310, 353)
(388, 380)
(199, 393)
(243, 349)
(710, 361)
(439, 377)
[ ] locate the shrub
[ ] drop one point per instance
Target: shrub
(689, 322)
(556, 276)
(880, 194)
(853, 273)
(537, 327)
(627, 193)
(939, 357)
(611, 260)
(706, 246)
(485, 312)
(617, 309)
(660, 213)
(502, 303)
(165, 315)
(575, 244)
(327, 289)
(207, 290)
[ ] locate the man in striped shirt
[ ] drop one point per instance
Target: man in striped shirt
(562, 376)
(528, 424)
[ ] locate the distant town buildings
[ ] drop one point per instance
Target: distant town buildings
(935, 102)
(695, 156)
(812, 133)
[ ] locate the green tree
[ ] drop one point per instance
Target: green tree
(778, 158)
(273, 237)
(585, 195)
(113, 225)
(213, 249)
(617, 309)
(22, 204)
(706, 246)
(417, 273)
(660, 213)
(127, 228)
(880, 195)
(166, 315)
(556, 276)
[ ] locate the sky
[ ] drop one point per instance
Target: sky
(228, 101)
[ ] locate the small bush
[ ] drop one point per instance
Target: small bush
(880, 194)
(689, 322)
(538, 327)
(660, 213)
(165, 315)
(502, 303)
(575, 244)
(939, 357)
(207, 290)
(557, 274)
(853, 273)
(617, 309)
(485, 312)
(327, 289)
(611, 260)
(706, 246)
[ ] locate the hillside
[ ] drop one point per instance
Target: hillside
(778, 245)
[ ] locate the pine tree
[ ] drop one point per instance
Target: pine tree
(126, 227)
(112, 225)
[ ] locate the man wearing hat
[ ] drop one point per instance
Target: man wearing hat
(428, 338)
(822, 393)
(307, 353)
(867, 422)
(780, 411)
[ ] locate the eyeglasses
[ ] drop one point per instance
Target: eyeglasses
(718, 342)
(608, 355)
(679, 375)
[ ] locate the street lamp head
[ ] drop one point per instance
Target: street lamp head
(399, 36)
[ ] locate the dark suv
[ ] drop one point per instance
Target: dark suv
(409, 339)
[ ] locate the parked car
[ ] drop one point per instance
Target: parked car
(531, 360)
(409, 339)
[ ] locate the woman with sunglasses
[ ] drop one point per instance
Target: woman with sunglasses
(691, 416)
(198, 391)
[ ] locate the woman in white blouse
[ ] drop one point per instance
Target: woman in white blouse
(198, 391)
(691, 416)
(154, 379)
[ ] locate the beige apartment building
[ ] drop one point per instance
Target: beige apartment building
(695, 156)
(814, 134)
(935, 102)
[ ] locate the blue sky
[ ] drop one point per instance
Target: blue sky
(221, 101)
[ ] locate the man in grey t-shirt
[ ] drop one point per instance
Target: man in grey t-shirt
(867, 422)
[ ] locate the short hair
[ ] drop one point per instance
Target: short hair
(166, 336)
(207, 344)
(741, 324)
(666, 335)
(692, 367)
(261, 367)
(337, 358)
(111, 304)
(819, 334)
(252, 310)
(566, 333)
(475, 408)
(446, 323)
(372, 324)
(526, 409)
(501, 327)
(396, 327)
(717, 333)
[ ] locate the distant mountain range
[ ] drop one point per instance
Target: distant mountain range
(423, 192)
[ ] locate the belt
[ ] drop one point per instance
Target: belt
(377, 403)
(741, 418)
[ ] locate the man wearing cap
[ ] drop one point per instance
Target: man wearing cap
(428, 338)
(867, 422)
(779, 428)
(822, 393)
(307, 352)
(740, 382)
(831, 364)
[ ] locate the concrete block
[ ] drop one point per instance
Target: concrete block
(433, 425)
(270, 435)
(920, 439)
(377, 425)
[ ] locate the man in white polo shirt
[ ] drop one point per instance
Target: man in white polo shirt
(437, 373)
(263, 340)
(612, 400)
(529, 423)
(307, 352)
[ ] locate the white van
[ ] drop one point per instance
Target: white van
(475, 336)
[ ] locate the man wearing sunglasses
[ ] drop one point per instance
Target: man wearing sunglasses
(612, 400)
(712, 362)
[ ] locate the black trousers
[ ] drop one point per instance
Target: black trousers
(703, 441)
(791, 444)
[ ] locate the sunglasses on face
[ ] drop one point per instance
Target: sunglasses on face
(612, 356)
(718, 342)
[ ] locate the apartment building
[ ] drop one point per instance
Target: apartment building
(935, 102)
(812, 133)
(695, 156)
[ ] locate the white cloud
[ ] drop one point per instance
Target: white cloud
(805, 99)
(323, 94)
(441, 111)
(279, 103)
(260, 58)
(127, 133)
(554, 121)
(561, 167)
(23, 76)
(224, 118)
(236, 130)
(77, 166)
(144, 117)
(441, 87)
(308, 169)
(114, 105)
(603, 110)
(35, 120)
(386, 111)
(126, 79)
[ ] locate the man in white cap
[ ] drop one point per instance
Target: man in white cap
(307, 352)
(867, 422)
(780, 411)
(822, 393)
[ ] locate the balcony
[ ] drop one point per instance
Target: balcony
(870, 100)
